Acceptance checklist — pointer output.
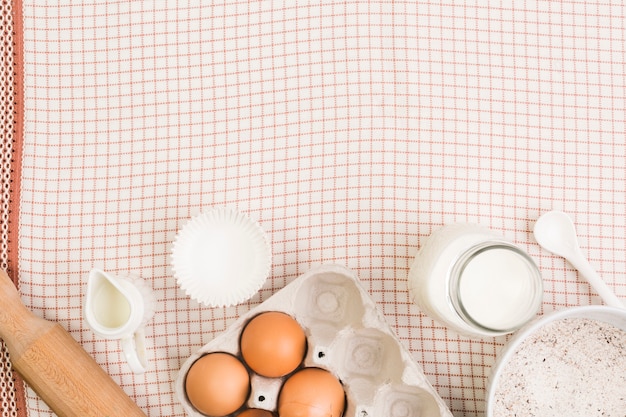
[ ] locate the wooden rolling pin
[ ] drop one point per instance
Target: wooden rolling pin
(58, 369)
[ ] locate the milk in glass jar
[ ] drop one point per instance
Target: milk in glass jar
(475, 282)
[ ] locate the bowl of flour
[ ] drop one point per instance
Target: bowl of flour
(571, 362)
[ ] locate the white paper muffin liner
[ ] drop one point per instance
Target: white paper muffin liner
(221, 257)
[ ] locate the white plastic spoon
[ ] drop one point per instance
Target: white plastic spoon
(555, 232)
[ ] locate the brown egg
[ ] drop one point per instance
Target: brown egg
(255, 412)
(311, 392)
(217, 384)
(273, 344)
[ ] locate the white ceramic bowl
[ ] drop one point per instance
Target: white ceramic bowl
(610, 315)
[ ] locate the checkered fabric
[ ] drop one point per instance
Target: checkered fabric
(349, 130)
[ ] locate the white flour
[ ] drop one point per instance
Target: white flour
(571, 367)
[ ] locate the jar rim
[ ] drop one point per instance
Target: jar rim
(455, 273)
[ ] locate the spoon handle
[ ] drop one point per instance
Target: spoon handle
(586, 270)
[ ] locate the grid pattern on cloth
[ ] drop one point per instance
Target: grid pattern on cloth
(350, 130)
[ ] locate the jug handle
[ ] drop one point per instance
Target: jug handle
(134, 347)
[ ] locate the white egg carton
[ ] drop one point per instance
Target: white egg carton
(346, 335)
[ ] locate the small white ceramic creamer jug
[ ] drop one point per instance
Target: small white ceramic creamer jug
(118, 308)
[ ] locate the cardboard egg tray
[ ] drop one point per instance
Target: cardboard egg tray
(347, 336)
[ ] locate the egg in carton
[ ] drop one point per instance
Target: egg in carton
(345, 335)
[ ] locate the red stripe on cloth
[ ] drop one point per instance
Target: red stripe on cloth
(15, 174)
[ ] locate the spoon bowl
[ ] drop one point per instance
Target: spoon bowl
(555, 232)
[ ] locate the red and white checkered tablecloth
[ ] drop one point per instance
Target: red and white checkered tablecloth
(349, 129)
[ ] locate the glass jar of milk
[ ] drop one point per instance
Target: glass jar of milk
(475, 282)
